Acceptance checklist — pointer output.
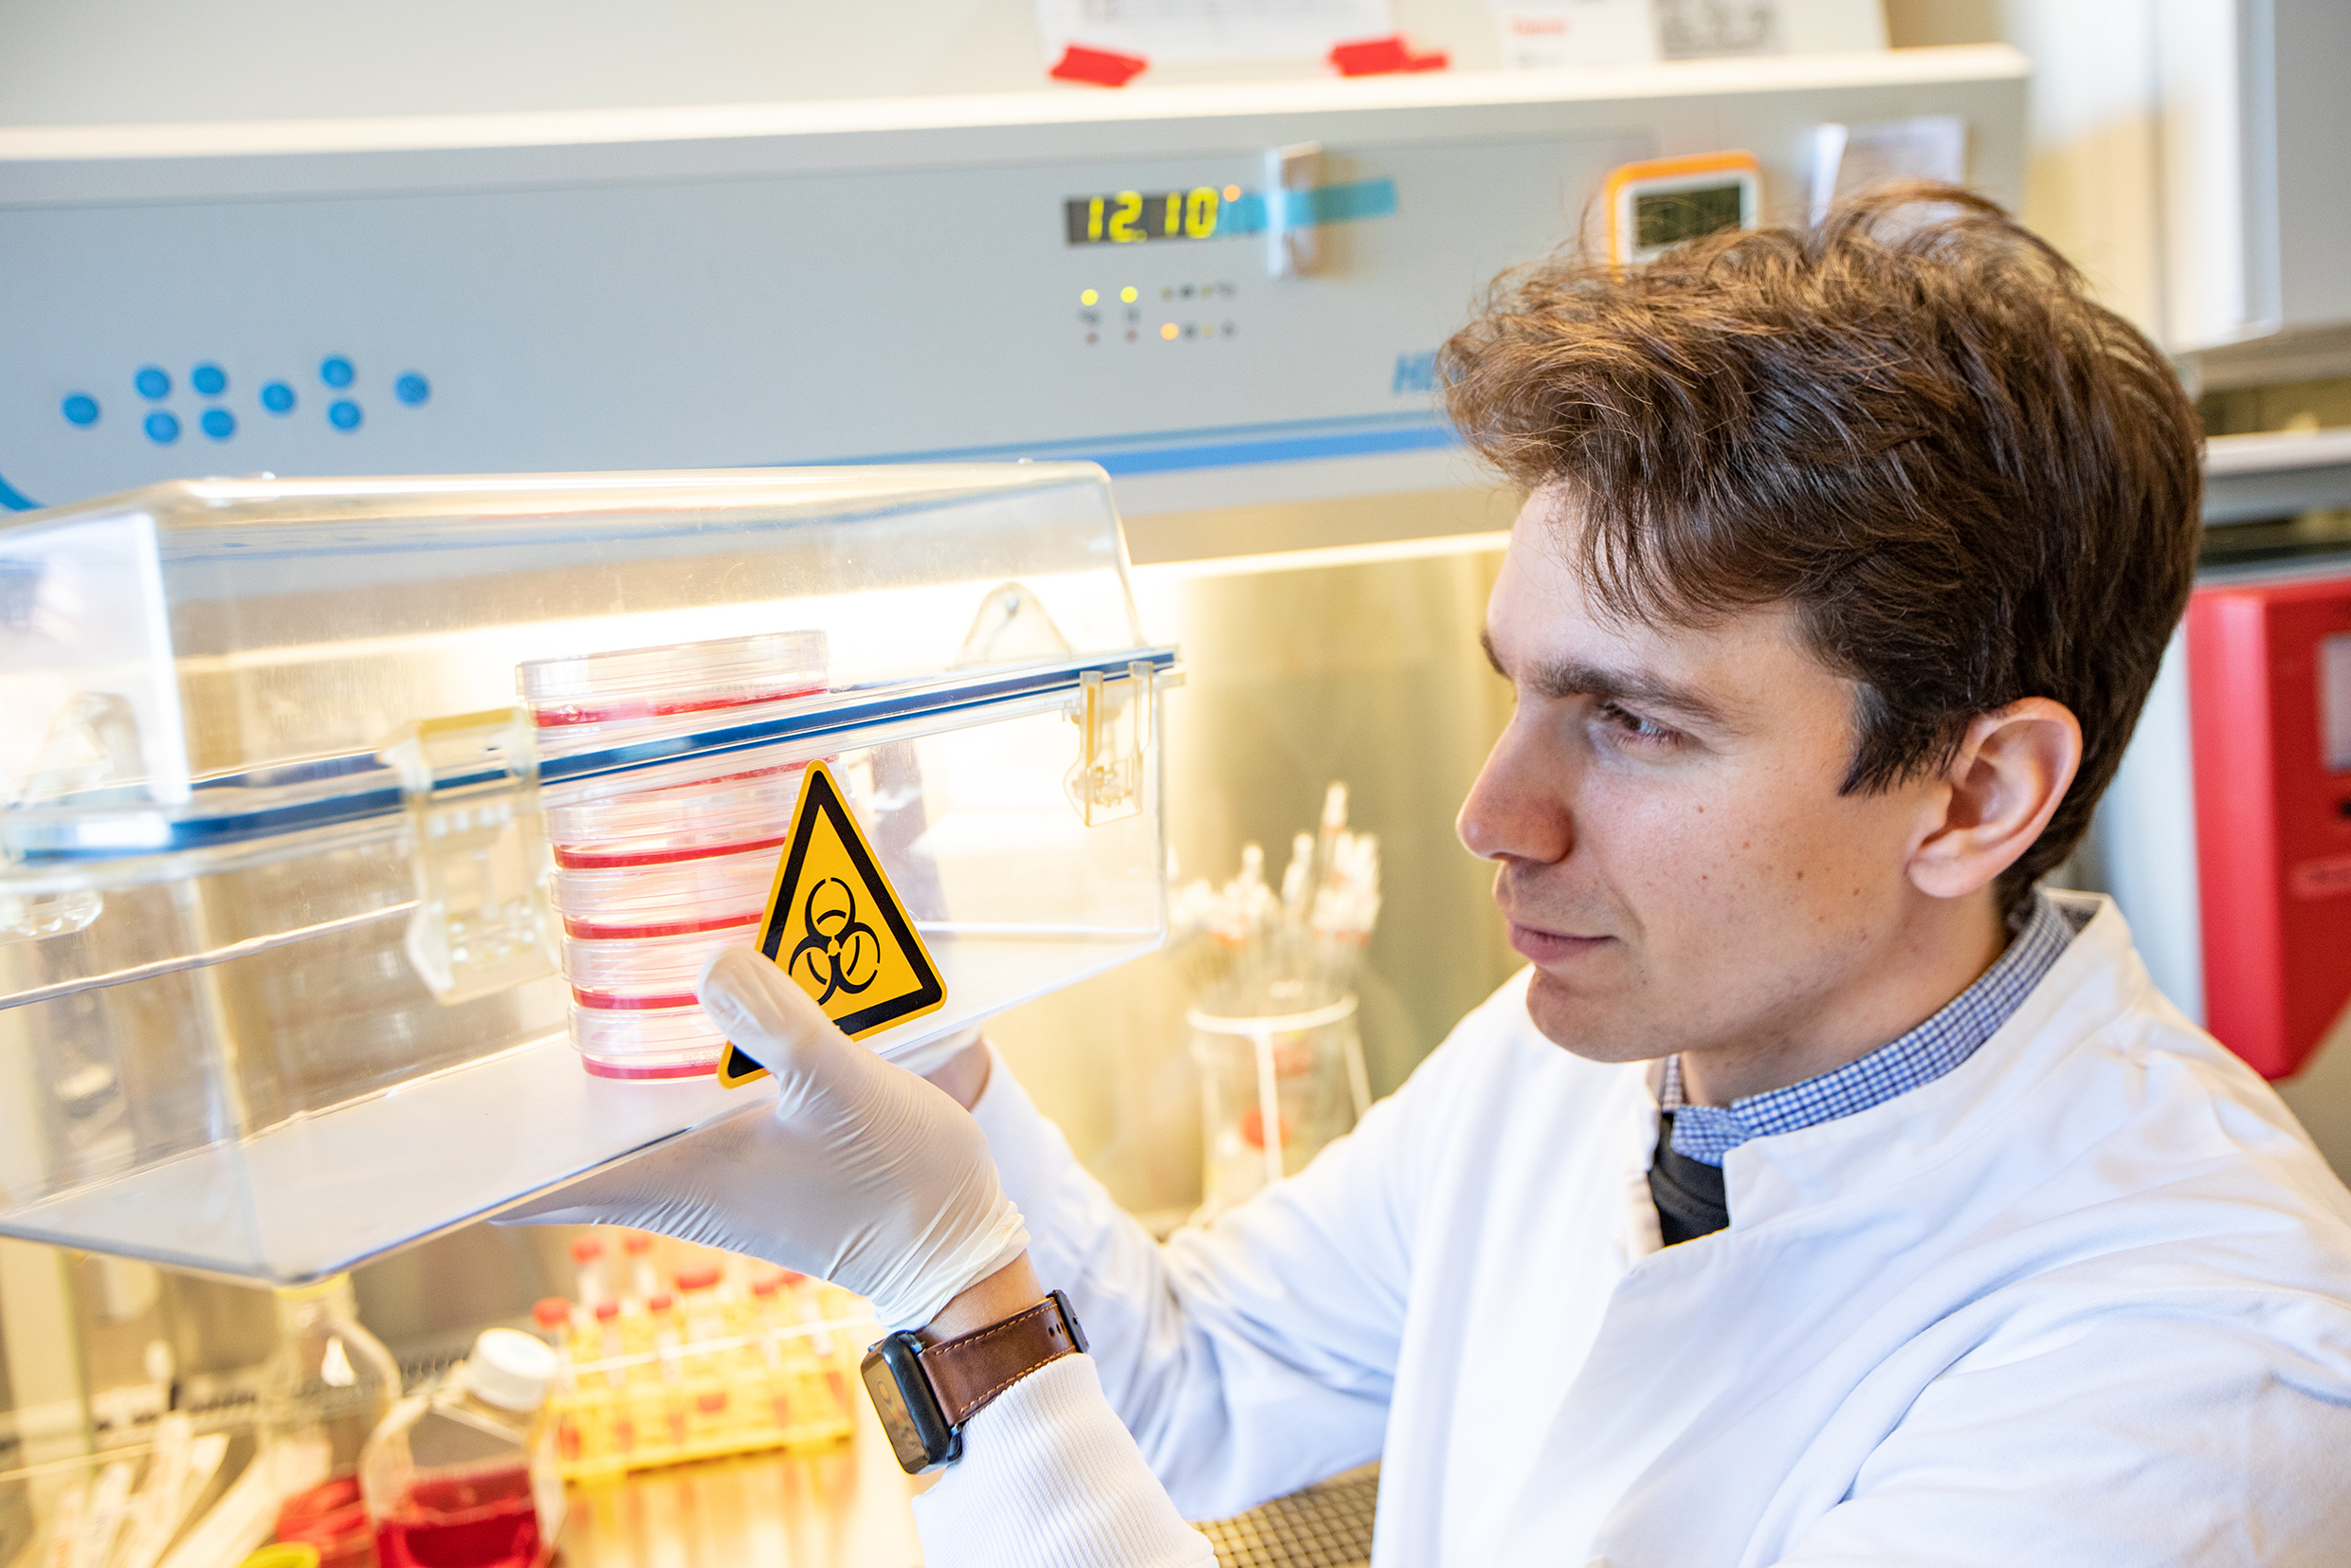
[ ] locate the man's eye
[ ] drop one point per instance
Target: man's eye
(1635, 728)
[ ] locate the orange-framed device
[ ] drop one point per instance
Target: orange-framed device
(1691, 194)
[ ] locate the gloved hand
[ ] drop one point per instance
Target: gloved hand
(863, 1173)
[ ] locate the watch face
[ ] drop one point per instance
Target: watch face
(909, 1410)
(890, 1406)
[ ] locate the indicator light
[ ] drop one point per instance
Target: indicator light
(1167, 332)
(1232, 193)
(1127, 294)
(1088, 298)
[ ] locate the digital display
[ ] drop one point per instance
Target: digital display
(1129, 217)
(1669, 217)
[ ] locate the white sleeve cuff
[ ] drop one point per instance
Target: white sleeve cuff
(1049, 1479)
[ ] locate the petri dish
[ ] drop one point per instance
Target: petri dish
(727, 816)
(650, 1046)
(646, 974)
(682, 677)
(639, 901)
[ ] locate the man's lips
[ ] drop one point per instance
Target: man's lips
(1551, 947)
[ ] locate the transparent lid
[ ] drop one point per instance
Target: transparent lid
(217, 660)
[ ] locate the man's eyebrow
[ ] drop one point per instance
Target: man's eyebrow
(1571, 678)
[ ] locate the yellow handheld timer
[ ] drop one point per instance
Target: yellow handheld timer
(1660, 203)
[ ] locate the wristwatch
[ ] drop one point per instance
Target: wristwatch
(923, 1394)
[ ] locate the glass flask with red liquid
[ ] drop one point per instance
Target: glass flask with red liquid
(463, 1476)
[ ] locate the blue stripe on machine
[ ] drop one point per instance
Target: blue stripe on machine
(1317, 204)
(1223, 447)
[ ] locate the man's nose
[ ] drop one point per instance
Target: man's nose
(1519, 807)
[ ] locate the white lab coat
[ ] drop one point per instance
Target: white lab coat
(2084, 1299)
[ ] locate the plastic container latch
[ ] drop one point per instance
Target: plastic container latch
(92, 745)
(1115, 723)
(471, 783)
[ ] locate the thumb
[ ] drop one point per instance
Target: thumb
(770, 1019)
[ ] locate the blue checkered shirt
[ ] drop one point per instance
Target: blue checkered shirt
(1706, 1133)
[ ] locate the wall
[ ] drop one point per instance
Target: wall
(101, 61)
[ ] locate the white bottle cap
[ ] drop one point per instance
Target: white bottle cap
(510, 1369)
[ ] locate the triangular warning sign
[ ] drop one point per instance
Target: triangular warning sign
(835, 926)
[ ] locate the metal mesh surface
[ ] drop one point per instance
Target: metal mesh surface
(1326, 1525)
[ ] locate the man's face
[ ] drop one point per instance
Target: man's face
(1673, 854)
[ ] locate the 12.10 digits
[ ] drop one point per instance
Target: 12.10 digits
(1128, 216)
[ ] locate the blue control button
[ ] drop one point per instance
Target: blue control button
(80, 409)
(209, 380)
(343, 414)
(277, 397)
(162, 428)
(411, 389)
(152, 382)
(219, 424)
(335, 371)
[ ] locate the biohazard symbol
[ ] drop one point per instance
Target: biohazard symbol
(837, 927)
(840, 951)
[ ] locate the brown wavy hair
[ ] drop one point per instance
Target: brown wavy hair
(1911, 421)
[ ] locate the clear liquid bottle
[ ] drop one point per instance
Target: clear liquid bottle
(463, 1477)
(326, 1386)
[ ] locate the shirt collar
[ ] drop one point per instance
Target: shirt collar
(1706, 1133)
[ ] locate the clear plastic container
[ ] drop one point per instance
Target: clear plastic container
(326, 1385)
(1274, 1090)
(279, 940)
(464, 1476)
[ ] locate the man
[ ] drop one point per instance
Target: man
(1824, 1192)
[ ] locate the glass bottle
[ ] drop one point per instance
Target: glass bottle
(324, 1389)
(463, 1476)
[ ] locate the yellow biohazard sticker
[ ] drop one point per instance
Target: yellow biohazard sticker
(836, 926)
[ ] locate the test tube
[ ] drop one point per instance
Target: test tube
(705, 1320)
(610, 1346)
(669, 1359)
(766, 1306)
(588, 1253)
(553, 1315)
(644, 1276)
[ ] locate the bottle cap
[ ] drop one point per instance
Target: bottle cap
(658, 1303)
(587, 1248)
(766, 1286)
(551, 1312)
(696, 1278)
(637, 1241)
(510, 1369)
(283, 1554)
(607, 1311)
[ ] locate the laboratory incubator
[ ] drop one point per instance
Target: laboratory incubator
(364, 836)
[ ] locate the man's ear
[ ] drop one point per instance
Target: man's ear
(2012, 769)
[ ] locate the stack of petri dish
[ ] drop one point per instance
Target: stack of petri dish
(651, 879)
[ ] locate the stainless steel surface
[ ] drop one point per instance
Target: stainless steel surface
(1359, 664)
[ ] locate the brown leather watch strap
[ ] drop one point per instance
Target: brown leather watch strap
(972, 1369)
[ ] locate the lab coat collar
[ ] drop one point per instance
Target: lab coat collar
(2099, 978)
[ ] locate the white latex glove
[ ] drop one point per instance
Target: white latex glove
(862, 1175)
